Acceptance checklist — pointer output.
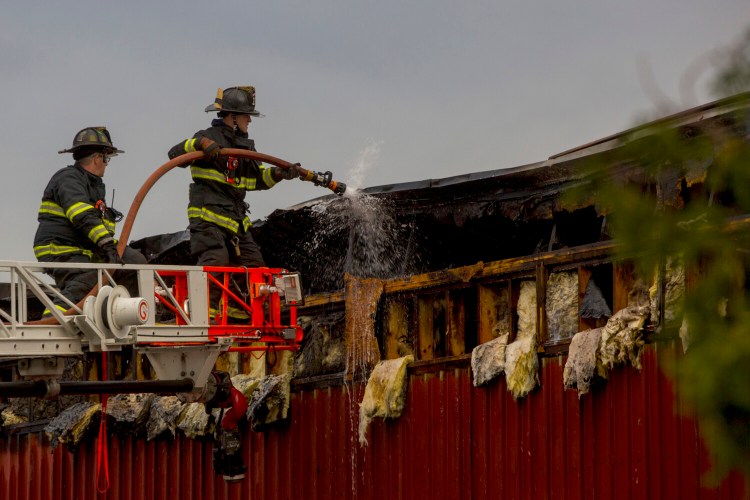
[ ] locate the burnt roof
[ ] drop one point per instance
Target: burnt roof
(433, 224)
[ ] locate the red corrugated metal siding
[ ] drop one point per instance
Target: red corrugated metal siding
(623, 440)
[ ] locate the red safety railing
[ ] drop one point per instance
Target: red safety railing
(269, 323)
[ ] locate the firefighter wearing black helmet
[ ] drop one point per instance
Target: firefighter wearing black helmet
(218, 215)
(75, 224)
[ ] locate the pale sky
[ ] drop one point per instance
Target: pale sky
(438, 88)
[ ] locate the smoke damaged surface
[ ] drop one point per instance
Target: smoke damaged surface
(323, 347)
(418, 227)
(22, 410)
(392, 231)
(74, 424)
(270, 402)
(424, 226)
(170, 248)
(165, 410)
(129, 413)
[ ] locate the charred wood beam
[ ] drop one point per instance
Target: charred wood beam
(488, 270)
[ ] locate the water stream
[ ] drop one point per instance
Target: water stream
(372, 244)
(376, 244)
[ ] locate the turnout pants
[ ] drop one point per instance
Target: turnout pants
(212, 245)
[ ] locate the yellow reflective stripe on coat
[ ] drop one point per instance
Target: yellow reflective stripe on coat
(51, 208)
(209, 216)
(247, 183)
(98, 232)
(47, 312)
(267, 177)
(52, 249)
(110, 226)
(76, 209)
(190, 145)
(209, 174)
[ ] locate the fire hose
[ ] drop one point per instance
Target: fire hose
(323, 179)
(227, 457)
(319, 179)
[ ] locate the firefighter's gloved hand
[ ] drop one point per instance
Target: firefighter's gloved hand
(209, 147)
(176, 151)
(110, 253)
(286, 173)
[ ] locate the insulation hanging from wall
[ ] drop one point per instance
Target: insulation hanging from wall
(72, 425)
(22, 410)
(488, 360)
(385, 393)
(583, 362)
(269, 402)
(10, 417)
(622, 337)
(562, 305)
(246, 383)
(129, 413)
(165, 410)
(521, 362)
(194, 422)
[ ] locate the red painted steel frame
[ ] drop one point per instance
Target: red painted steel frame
(264, 310)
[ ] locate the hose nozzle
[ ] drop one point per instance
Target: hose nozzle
(337, 187)
(325, 179)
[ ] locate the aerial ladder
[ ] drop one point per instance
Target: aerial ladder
(168, 321)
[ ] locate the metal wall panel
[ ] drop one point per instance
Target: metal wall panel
(623, 440)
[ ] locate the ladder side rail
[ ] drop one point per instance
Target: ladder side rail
(30, 281)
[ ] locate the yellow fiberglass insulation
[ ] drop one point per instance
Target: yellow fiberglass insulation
(488, 360)
(165, 410)
(73, 424)
(622, 337)
(527, 310)
(193, 420)
(129, 412)
(385, 393)
(9, 417)
(562, 305)
(583, 362)
(246, 383)
(269, 402)
(521, 362)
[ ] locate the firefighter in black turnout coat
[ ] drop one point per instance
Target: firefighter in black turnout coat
(217, 211)
(75, 224)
